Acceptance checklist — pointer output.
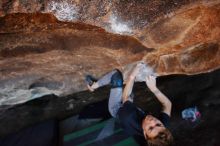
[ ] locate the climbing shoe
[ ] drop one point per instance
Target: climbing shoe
(90, 80)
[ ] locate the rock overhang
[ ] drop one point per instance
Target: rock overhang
(42, 55)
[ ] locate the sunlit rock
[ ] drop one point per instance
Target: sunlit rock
(47, 47)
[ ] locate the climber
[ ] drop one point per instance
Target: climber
(144, 127)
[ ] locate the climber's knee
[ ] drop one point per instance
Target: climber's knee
(117, 79)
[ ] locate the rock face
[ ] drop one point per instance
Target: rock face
(41, 54)
(48, 46)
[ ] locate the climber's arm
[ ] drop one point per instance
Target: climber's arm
(166, 103)
(128, 88)
(130, 82)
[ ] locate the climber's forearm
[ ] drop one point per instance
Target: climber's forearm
(166, 103)
(128, 88)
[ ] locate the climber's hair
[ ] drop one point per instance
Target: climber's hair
(164, 138)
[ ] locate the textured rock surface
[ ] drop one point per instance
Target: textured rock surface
(40, 55)
(54, 57)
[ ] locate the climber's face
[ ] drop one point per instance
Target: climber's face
(152, 126)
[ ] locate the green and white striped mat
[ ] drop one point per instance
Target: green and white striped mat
(113, 136)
